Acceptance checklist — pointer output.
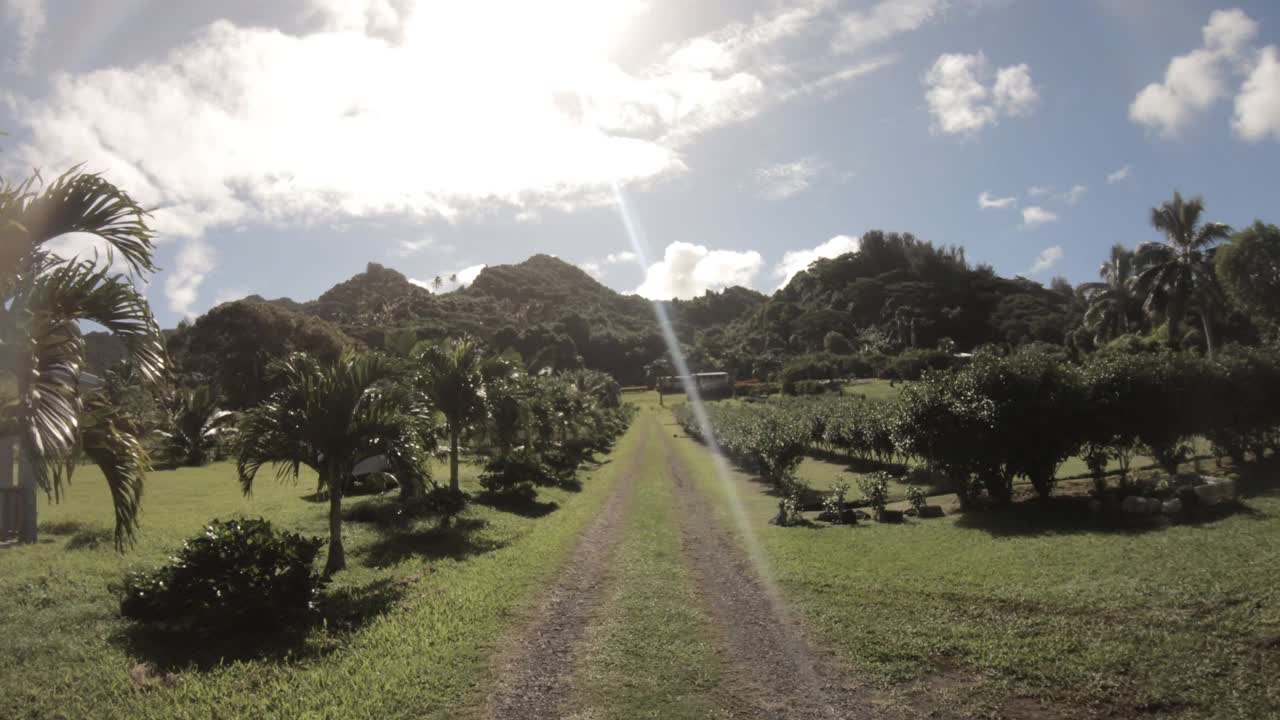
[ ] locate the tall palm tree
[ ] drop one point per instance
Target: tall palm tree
(43, 300)
(331, 417)
(1111, 301)
(1176, 275)
(195, 422)
(450, 375)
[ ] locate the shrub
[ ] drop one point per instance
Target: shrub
(917, 497)
(875, 488)
(833, 504)
(240, 576)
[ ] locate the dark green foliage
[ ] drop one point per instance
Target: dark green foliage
(238, 576)
(875, 490)
(764, 437)
(1248, 267)
(234, 343)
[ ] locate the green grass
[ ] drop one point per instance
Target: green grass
(652, 655)
(873, 389)
(417, 617)
(1178, 620)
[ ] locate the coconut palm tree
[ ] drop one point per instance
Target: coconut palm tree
(195, 422)
(1176, 275)
(1112, 301)
(43, 300)
(330, 417)
(450, 375)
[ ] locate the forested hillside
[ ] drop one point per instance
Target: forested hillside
(895, 295)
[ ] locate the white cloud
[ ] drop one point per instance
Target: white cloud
(405, 248)
(592, 268)
(1119, 175)
(884, 20)
(777, 182)
(794, 261)
(1046, 259)
(962, 103)
(1194, 81)
(619, 257)
(452, 280)
(1072, 196)
(414, 109)
(1035, 215)
(27, 18)
(182, 283)
(687, 270)
(1039, 190)
(1257, 113)
(1014, 92)
(987, 202)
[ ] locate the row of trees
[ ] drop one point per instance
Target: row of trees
(1022, 416)
(328, 411)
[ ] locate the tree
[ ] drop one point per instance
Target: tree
(1249, 269)
(195, 422)
(450, 376)
(1112, 301)
(43, 301)
(1176, 276)
(331, 416)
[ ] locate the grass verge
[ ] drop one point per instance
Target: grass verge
(1001, 617)
(418, 615)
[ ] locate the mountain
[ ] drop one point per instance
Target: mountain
(894, 294)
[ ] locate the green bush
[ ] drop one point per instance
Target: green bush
(875, 489)
(917, 497)
(238, 575)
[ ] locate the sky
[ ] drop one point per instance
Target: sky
(666, 148)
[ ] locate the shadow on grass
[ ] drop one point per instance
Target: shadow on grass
(1071, 515)
(456, 540)
(342, 611)
(516, 504)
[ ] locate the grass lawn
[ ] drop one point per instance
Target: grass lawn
(413, 624)
(1001, 616)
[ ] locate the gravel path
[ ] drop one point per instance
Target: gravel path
(771, 671)
(536, 679)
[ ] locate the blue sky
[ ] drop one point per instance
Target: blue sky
(284, 145)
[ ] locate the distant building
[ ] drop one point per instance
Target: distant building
(710, 385)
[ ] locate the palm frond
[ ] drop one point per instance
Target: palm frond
(75, 202)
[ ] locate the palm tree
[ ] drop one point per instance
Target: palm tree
(450, 375)
(1111, 302)
(1176, 275)
(43, 300)
(195, 422)
(331, 417)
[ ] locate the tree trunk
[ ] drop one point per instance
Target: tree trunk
(337, 554)
(1174, 327)
(28, 499)
(1210, 341)
(453, 459)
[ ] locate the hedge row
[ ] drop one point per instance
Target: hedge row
(1002, 418)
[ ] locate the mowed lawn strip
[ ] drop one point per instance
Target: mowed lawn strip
(652, 655)
(452, 595)
(1183, 620)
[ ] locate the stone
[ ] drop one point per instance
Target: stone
(931, 511)
(1132, 505)
(890, 516)
(1172, 506)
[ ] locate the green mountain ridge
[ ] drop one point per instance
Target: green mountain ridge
(895, 293)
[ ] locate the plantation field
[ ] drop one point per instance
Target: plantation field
(411, 630)
(992, 615)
